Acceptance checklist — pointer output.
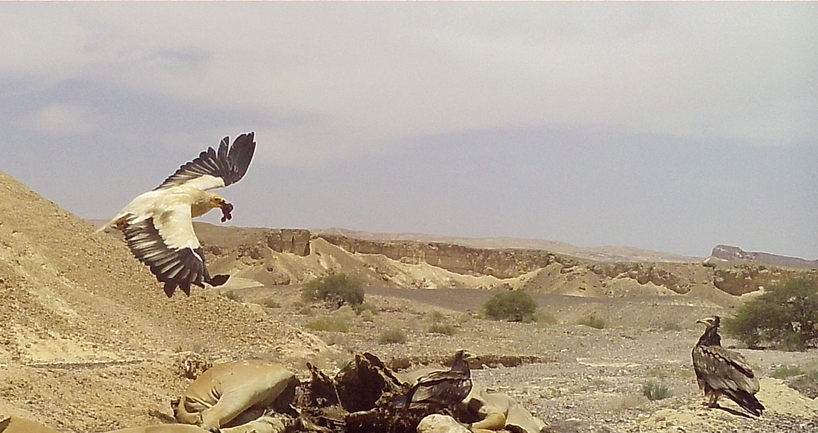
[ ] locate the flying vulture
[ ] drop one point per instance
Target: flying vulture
(723, 372)
(158, 225)
(443, 389)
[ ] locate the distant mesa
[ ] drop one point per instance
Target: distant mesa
(736, 254)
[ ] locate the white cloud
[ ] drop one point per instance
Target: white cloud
(64, 119)
(366, 72)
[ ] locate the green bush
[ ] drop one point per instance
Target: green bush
(513, 306)
(593, 321)
(654, 390)
(392, 336)
(786, 316)
(337, 289)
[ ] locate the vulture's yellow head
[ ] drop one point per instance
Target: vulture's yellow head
(217, 202)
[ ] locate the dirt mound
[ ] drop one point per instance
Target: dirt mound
(786, 410)
(71, 299)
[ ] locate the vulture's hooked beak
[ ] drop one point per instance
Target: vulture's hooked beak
(226, 208)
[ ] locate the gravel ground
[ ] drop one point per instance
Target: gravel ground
(583, 380)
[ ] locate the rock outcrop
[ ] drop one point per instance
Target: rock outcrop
(736, 254)
(252, 241)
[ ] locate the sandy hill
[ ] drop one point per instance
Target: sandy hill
(72, 299)
(294, 256)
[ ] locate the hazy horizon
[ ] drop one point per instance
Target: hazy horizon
(670, 127)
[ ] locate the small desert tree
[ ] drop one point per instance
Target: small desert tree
(785, 316)
(513, 306)
(337, 289)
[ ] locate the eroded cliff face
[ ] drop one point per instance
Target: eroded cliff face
(286, 256)
(543, 271)
(746, 278)
(253, 241)
(500, 263)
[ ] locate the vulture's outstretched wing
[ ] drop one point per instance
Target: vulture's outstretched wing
(216, 169)
(168, 245)
(157, 224)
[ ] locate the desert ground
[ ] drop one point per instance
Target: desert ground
(575, 377)
(89, 343)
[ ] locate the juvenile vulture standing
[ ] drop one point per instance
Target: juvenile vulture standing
(443, 388)
(723, 372)
(158, 225)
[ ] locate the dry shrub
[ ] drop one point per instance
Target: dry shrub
(328, 324)
(593, 321)
(442, 328)
(654, 390)
(392, 336)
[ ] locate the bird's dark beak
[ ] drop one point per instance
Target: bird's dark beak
(226, 208)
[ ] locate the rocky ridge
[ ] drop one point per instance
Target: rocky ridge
(281, 257)
(736, 254)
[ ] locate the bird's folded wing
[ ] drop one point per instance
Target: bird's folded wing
(420, 393)
(734, 359)
(216, 169)
(724, 369)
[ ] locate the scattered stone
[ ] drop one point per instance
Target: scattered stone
(436, 423)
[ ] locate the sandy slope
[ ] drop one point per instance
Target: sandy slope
(70, 298)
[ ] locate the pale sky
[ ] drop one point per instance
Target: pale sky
(666, 126)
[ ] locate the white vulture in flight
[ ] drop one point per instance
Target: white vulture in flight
(158, 225)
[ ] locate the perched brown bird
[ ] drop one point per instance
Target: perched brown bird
(443, 388)
(723, 372)
(158, 225)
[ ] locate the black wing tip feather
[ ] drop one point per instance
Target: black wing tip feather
(241, 155)
(230, 163)
(176, 268)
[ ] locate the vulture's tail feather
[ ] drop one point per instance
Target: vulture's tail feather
(747, 401)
